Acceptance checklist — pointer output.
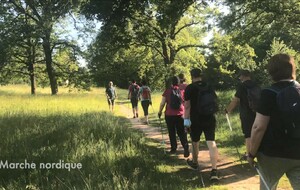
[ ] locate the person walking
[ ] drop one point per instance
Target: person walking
(275, 136)
(133, 91)
(145, 96)
(199, 119)
(247, 112)
(173, 99)
(182, 85)
(111, 95)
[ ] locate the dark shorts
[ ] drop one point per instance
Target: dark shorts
(134, 102)
(111, 101)
(247, 126)
(207, 126)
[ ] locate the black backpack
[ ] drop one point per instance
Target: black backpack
(288, 103)
(206, 101)
(175, 99)
(253, 96)
(134, 91)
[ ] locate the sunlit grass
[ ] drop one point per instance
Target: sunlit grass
(77, 127)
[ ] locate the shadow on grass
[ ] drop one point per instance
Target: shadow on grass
(112, 155)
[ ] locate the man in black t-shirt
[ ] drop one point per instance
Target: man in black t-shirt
(247, 115)
(197, 124)
(277, 153)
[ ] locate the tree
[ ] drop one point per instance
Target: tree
(44, 13)
(277, 46)
(168, 28)
(259, 22)
(226, 59)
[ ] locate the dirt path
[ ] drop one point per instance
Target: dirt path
(234, 175)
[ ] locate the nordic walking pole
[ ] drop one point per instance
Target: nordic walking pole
(162, 136)
(229, 124)
(261, 177)
(128, 108)
(228, 121)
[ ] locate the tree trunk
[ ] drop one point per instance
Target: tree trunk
(30, 64)
(32, 78)
(49, 66)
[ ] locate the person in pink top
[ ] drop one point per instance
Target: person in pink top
(173, 99)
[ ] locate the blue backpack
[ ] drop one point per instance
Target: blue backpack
(288, 103)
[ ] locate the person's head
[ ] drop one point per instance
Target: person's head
(175, 81)
(133, 81)
(110, 84)
(144, 82)
(196, 74)
(181, 77)
(244, 75)
(282, 66)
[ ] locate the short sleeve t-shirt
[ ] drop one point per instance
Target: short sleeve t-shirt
(110, 91)
(130, 89)
(169, 111)
(182, 86)
(144, 89)
(274, 142)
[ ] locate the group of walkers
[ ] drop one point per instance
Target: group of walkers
(143, 93)
(270, 119)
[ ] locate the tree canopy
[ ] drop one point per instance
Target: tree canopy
(145, 39)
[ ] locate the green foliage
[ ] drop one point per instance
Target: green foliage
(226, 59)
(258, 22)
(277, 46)
(160, 38)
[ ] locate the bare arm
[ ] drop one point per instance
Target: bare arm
(258, 130)
(129, 93)
(162, 104)
(116, 93)
(234, 102)
(187, 109)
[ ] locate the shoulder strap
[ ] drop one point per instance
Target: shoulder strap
(276, 91)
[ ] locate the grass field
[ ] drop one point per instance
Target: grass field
(75, 128)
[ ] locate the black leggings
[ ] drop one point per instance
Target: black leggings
(145, 106)
(175, 125)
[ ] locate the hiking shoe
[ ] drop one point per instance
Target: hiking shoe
(214, 175)
(137, 115)
(186, 152)
(192, 164)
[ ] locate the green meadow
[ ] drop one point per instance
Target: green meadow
(76, 128)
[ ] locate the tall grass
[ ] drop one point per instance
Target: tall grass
(75, 128)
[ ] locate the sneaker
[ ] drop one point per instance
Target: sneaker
(172, 151)
(192, 164)
(186, 153)
(214, 175)
(244, 157)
